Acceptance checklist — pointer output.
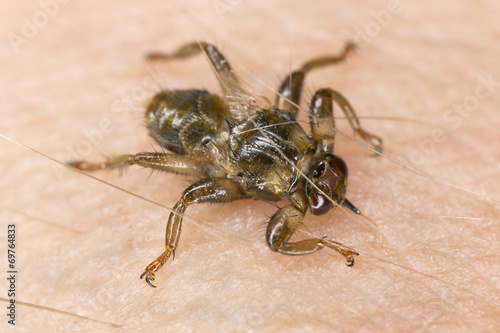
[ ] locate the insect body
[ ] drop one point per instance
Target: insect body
(240, 151)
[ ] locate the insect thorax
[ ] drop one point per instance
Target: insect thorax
(263, 153)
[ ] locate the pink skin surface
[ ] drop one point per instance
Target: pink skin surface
(77, 86)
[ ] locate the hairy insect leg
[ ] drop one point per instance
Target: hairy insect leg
(213, 190)
(289, 93)
(322, 121)
(173, 163)
(220, 64)
(285, 222)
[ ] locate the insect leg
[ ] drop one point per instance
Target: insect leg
(179, 164)
(213, 190)
(321, 120)
(224, 71)
(285, 222)
(288, 97)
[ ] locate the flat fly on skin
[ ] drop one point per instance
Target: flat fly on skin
(238, 149)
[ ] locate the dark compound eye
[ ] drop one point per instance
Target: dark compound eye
(320, 204)
(338, 163)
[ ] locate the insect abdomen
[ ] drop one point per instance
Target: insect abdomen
(183, 121)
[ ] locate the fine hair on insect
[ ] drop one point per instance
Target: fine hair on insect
(240, 149)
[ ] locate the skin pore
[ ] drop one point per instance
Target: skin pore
(80, 84)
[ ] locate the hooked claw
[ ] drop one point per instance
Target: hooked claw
(148, 277)
(148, 273)
(343, 250)
(350, 259)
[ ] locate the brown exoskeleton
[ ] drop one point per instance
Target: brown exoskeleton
(240, 151)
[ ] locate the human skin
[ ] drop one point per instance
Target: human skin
(82, 244)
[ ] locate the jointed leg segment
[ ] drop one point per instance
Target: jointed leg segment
(290, 91)
(321, 114)
(322, 121)
(215, 190)
(221, 66)
(285, 222)
(179, 164)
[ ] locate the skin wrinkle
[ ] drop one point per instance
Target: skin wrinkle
(66, 80)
